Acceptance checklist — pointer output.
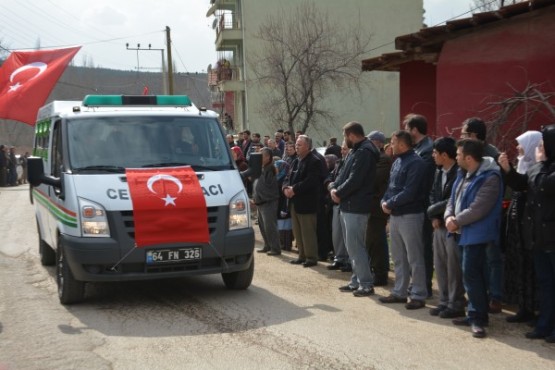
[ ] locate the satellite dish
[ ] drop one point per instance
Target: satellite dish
(214, 23)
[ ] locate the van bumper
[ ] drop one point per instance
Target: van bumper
(106, 259)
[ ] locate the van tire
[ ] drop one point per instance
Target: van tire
(69, 290)
(47, 254)
(239, 280)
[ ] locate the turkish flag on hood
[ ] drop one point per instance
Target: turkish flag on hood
(26, 80)
(168, 206)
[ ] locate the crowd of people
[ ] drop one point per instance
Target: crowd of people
(9, 163)
(441, 203)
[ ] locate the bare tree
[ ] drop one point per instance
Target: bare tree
(306, 55)
(508, 116)
(490, 5)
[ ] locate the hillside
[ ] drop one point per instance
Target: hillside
(76, 82)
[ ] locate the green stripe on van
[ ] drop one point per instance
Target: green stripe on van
(54, 210)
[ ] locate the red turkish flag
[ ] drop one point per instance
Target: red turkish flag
(26, 80)
(168, 206)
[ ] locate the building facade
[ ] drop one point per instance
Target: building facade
(237, 91)
(496, 65)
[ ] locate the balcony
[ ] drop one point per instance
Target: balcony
(228, 32)
(226, 77)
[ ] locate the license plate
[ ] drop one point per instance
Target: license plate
(173, 255)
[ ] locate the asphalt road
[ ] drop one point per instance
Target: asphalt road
(290, 318)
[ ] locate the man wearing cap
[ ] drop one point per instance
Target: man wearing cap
(376, 237)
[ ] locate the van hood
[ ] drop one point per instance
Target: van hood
(112, 191)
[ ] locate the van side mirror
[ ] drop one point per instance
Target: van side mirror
(255, 166)
(36, 176)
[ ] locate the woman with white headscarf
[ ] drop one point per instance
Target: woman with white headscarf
(520, 284)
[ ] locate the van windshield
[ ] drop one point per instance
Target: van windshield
(111, 144)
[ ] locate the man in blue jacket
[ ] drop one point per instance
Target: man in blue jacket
(473, 214)
(405, 200)
(352, 190)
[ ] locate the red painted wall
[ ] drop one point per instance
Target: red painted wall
(487, 66)
(418, 92)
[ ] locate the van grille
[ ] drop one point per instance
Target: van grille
(129, 221)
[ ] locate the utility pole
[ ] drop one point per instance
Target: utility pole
(170, 60)
(163, 61)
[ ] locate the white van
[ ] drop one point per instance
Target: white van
(83, 207)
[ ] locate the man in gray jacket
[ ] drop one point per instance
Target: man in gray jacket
(352, 190)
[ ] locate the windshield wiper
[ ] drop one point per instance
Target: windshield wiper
(115, 169)
(166, 164)
(195, 167)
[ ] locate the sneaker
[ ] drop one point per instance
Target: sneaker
(363, 292)
(347, 288)
(451, 314)
(439, 309)
(392, 299)
(415, 304)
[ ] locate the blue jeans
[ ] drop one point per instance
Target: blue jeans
(407, 251)
(353, 226)
(475, 281)
(495, 271)
(545, 276)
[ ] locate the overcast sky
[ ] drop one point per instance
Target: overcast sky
(103, 27)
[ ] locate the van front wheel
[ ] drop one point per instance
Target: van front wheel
(69, 290)
(47, 255)
(239, 280)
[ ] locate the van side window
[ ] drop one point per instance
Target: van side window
(57, 156)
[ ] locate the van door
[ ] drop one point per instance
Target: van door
(56, 168)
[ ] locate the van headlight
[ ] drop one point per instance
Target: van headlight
(239, 212)
(94, 222)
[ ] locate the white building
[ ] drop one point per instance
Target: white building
(236, 90)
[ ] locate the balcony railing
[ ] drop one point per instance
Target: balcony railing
(223, 73)
(227, 21)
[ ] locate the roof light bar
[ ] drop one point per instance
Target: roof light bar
(138, 100)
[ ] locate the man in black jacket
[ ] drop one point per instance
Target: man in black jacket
(303, 188)
(447, 255)
(417, 126)
(353, 190)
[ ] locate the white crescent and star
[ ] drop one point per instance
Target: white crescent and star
(168, 198)
(35, 65)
